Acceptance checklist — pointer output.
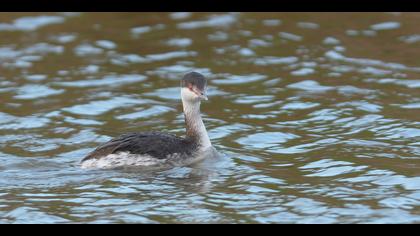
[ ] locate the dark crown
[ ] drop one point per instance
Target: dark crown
(195, 79)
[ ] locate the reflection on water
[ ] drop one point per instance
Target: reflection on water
(317, 120)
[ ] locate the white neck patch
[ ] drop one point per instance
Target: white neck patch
(191, 105)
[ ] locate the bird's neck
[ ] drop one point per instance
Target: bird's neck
(195, 126)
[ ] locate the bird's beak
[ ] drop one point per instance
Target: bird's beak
(201, 94)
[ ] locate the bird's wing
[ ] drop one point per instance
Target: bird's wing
(155, 144)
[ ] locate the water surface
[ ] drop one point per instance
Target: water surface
(316, 116)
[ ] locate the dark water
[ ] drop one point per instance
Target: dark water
(317, 116)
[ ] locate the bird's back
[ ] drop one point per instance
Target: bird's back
(154, 144)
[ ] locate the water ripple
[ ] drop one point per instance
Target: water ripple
(311, 126)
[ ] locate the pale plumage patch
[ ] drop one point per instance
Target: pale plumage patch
(125, 159)
(121, 159)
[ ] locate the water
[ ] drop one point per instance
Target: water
(316, 116)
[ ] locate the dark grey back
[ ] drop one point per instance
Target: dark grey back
(156, 144)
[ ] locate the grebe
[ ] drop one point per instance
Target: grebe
(157, 148)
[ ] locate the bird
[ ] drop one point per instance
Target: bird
(155, 148)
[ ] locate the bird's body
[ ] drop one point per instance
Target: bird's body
(158, 148)
(142, 149)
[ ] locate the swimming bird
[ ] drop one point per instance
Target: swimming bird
(154, 148)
